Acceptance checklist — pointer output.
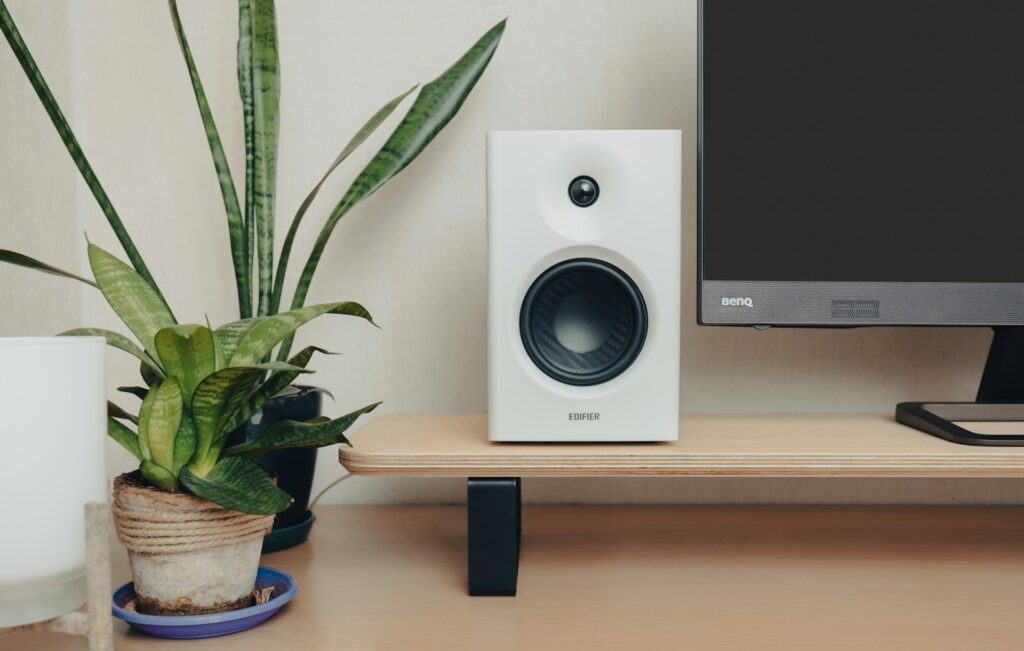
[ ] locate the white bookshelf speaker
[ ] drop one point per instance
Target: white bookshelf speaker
(584, 285)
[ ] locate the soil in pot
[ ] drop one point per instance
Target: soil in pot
(188, 555)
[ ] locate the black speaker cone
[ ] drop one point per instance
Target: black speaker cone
(583, 322)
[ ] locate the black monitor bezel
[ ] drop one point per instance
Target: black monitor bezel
(831, 304)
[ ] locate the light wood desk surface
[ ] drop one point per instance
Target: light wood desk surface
(700, 578)
(750, 445)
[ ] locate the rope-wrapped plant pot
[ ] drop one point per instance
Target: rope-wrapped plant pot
(188, 555)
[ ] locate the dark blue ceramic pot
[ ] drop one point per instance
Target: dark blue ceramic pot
(293, 468)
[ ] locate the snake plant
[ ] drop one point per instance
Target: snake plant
(202, 383)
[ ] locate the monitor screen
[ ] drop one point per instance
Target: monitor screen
(857, 150)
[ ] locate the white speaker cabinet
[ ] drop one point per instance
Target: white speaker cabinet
(584, 285)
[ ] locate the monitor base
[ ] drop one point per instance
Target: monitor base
(1000, 398)
(941, 419)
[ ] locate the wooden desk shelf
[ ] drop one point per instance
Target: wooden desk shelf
(710, 445)
(765, 445)
(657, 578)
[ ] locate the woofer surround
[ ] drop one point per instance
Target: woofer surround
(583, 322)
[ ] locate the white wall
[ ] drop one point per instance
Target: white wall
(415, 252)
(37, 191)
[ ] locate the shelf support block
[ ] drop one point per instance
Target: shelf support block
(494, 514)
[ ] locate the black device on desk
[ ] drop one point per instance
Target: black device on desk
(861, 162)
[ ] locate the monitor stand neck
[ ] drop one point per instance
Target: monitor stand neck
(1003, 378)
(1000, 398)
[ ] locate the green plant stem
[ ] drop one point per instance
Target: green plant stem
(42, 89)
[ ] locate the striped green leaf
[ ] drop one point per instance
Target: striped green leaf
(17, 259)
(60, 123)
(219, 361)
(262, 337)
(319, 390)
(184, 443)
(280, 380)
(159, 476)
(237, 484)
(257, 47)
(138, 392)
(274, 385)
(119, 341)
(236, 227)
(293, 434)
(434, 107)
(128, 439)
(229, 334)
(188, 354)
(371, 125)
(149, 376)
(245, 93)
(134, 301)
(159, 421)
(114, 411)
(219, 402)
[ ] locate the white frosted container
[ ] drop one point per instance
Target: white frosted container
(52, 461)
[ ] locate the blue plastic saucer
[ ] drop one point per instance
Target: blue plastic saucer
(190, 627)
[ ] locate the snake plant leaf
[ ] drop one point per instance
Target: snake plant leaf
(229, 335)
(184, 442)
(159, 476)
(262, 337)
(188, 354)
(434, 107)
(15, 258)
(42, 89)
(219, 402)
(219, 361)
(274, 385)
(134, 301)
(237, 484)
(119, 341)
(236, 227)
(138, 392)
(364, 132)
(128, 439)
(159, 421)
(265, 93)
(245, 93)
(280, 380)
(149, 376)
(320, 390)
(114, 411)
(294, 434)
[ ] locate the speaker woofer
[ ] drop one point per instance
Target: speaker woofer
(583, 322)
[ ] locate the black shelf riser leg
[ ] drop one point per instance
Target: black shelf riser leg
(494, 514)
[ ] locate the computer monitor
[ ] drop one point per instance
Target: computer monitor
(861, 162)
